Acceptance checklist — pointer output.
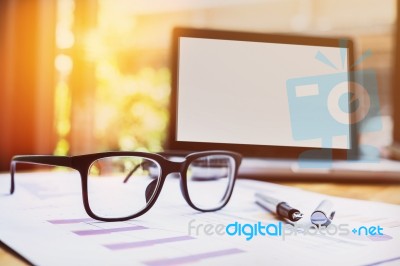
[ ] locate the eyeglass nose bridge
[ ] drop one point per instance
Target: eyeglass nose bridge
(173, 167)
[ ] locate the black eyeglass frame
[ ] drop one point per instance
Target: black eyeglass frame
(82, 164)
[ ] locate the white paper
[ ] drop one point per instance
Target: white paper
(38, 222)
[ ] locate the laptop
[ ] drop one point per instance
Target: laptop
(291, 105)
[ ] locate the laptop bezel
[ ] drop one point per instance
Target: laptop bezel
(266, 151)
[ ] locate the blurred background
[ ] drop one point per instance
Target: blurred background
(87, 76)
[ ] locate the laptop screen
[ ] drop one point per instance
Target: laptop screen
(261, 93)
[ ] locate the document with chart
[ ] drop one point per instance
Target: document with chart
(45, 222)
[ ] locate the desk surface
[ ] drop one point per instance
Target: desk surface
(389, 193)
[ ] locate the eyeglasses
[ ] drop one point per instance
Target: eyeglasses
(118, 186)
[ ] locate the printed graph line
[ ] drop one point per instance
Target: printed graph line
(147, 243)
(71, 221)
(383, 261)
(193, 258)
(380, 237)
(102, 231)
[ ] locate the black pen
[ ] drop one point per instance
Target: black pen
(279, 207)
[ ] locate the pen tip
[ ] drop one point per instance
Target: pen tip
(297, 216)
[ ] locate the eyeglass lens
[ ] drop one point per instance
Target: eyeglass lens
(209, 180)
(117, 185)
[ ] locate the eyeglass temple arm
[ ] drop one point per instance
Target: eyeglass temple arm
(37, 159)
(142, 164)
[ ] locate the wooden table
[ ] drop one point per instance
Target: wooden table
(388, 192)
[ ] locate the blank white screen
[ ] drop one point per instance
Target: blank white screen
(235, 91)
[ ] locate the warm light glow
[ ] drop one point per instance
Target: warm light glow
(64, 38)
(62, 147)
(63, 107)
(63, 121)
(65, 17)
(132, 101)
(63, 64)
(95, 48)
